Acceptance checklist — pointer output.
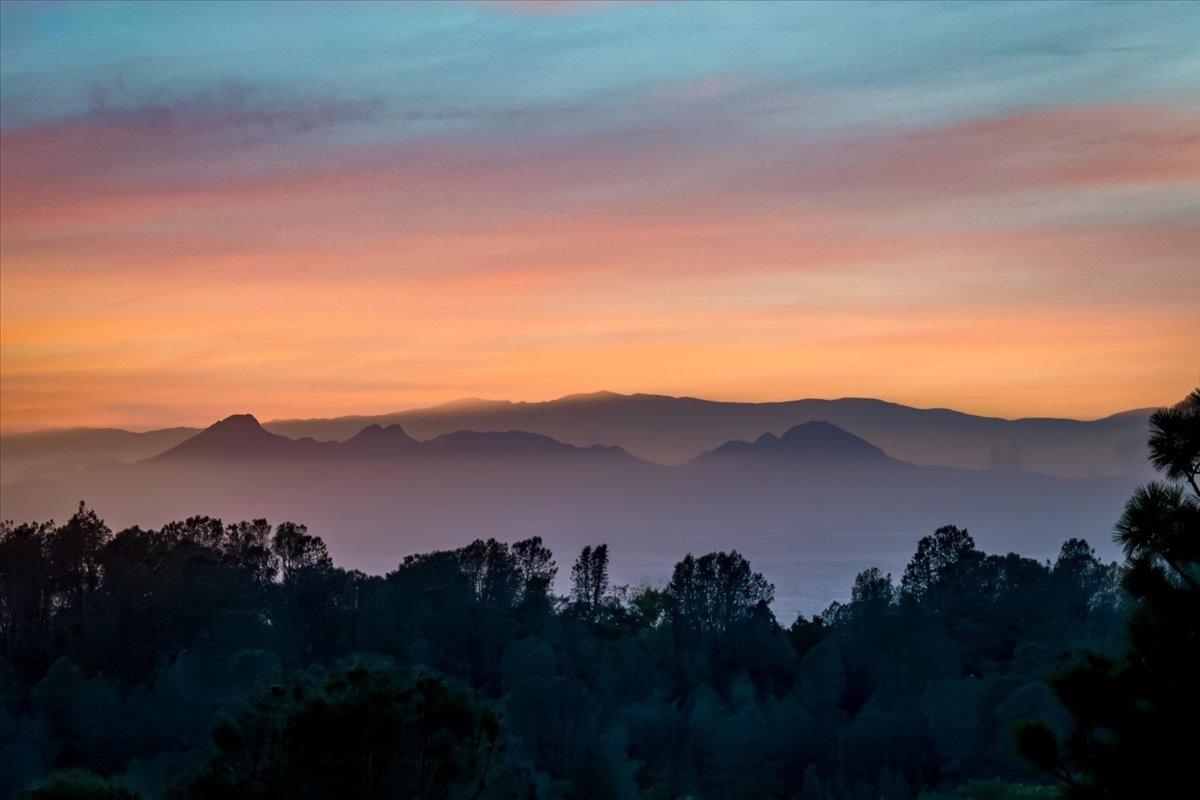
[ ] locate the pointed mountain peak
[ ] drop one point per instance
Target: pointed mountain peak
(237, 422)
(238, 435)
(374, 431)
(820, 438)
(817, 442)
(817, 430)
(379, 440)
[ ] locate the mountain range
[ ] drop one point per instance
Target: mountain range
(241, 438)
(667, 430)
(814, 496)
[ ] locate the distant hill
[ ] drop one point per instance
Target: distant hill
(668, 430)
(818, 443)
(239, 437)
(59, 453)
(376, 440)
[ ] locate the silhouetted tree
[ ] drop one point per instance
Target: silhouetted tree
(1160, 525)
(1175, 440)
(1081, 581)
(715, 591)
(872, 588)
(197, 531)
(297, 549)
(648, 607)
(26, 595)
(935, 555)
(536, 565)
(1135, 718)
(73, 551)
(492, 571)
(248, 545)
(589, 580)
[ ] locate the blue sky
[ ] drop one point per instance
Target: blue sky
(915, 62)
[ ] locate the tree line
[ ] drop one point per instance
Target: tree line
(208, 659)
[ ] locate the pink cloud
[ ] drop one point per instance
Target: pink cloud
(114, 196)
(1080, 146)
(109, 166)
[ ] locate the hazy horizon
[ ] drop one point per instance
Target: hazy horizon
(199, 423)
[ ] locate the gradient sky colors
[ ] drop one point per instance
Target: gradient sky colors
(308, 210)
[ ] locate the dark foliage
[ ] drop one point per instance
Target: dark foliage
(209, 659)
(160, 660)
(1134, 717)
(361, 732)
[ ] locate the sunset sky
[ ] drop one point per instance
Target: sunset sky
(312, 210)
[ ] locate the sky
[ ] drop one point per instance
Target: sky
(305, 210)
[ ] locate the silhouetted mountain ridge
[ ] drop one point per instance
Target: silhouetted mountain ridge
(241, 437)
(674, 430)
(380, 440)
(666, 430)
(817, 442)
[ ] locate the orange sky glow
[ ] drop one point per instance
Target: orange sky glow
(1036, 259)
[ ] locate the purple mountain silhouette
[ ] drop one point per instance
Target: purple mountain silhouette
(375, 440)
(669, 430)
(238, 436)
(817, 442)
(241, 438)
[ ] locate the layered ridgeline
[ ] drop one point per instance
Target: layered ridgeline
(815, 495)
(241, 437)
(670, 430)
